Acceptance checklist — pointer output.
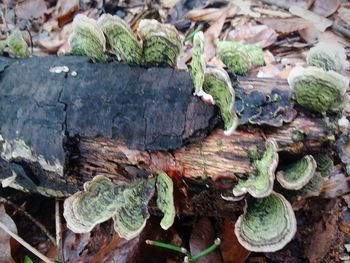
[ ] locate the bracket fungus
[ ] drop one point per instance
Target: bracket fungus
(260, 183)
(267, 224)
(239, 57)
(328, 56)
(297, 174)
(165, 199)
(96, 204)
(87, 39)
(17, 45)
(217, 83)
(317, 89)
(132, 215)
(121, 39)
(161, 42)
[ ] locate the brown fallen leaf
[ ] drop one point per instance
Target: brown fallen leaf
(231, 249)
(203, 236)
(5, 248)
(210, 14)
(260, 35)
(269, 71)
(310, 34)
(344, 15)
(66, 10)
(286, 4)
(30, 9)
(321, 23)
(325, 8)
(285, 25)
(245, 8)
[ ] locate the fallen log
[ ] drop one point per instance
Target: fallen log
(58, 130)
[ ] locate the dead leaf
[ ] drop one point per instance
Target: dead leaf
(66, 10)
(318, 21)
(231, 250)
(5, 248)
(211, 35)
(210, 14)
(260, 35)
(325, 8)
(269, 71)
(269, 12)
(30, 9)
(286, 4)
(245, 8)
(344, 15)
(310, 34)
(285, 25)
(202, 237)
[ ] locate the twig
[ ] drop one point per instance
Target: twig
(37, 223)
(60, 253)
(25, 244)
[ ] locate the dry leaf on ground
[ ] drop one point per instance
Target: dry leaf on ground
(5, 248)
(30, 9)
(325, 8)
(285, 25)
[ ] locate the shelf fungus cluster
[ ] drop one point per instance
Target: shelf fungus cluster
(213, 84)
(159, 43)
(240, 57)
(127, 204)
(268, 222)
(320, 87)
(15, 44)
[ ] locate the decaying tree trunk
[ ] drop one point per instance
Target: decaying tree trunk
(59, 130)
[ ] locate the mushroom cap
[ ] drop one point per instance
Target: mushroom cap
(317, 89)
(328, 56)
(217, 83)
(260, 183)
(165, 199)
(161, 42)
(267, 224)
(297, 174)
(87, 39)
(122, 40)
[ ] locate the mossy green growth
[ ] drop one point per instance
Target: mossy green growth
(122, 41)
(165, 199)
(218, 84)
(97, 203)
(198, 65)
(267, 224)
(318, 90)
(87, 39)
(161, 42)
(3, 44)
(17, 45)
(312, 188)
(298, 174)
(239, 57)
(260, 183)
(325, 164)
(328, 56)
(131, 217)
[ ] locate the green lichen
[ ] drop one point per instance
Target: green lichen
(260, 183)
(239, 57)
(87, 39)
(198, 65)
(121, 39)
(318, 90)
(131, 217)
(218, 84)
(328, 56)
(298, 174)
(161, 42)
(267, 224)
(17, 45)
(165, 199)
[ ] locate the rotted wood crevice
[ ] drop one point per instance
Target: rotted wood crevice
(125, 121)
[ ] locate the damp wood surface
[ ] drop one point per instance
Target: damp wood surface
(125, 121)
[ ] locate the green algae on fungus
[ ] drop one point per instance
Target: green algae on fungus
(317, 89)
(217, 83)
(97, 203)
(121, 39)
(260, 183)
(328, 56)
(17, 45)
(298, 174)
(239, 57)
(165, 199)
(267, 225)
(161, 42)
(87, 39)
(131, 217)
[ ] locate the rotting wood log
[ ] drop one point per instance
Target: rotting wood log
(59, 130)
